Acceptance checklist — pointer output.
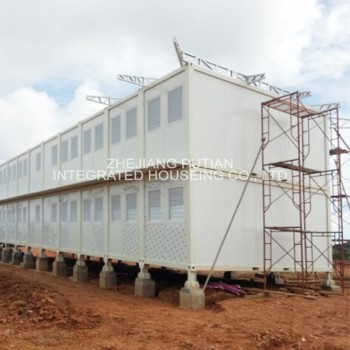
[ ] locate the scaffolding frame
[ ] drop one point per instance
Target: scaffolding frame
(301, 187)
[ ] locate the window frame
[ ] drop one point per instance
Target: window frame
(148, 113)
(127, 120)
(183, 204)
(182, 105)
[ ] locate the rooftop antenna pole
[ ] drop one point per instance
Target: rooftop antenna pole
(179, 52)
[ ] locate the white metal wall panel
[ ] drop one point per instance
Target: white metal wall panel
(70, 156)
(212, 205)
(23, 174)
(3, 222)
(50, 222)
(35, 220)
(51, 163)
(22, 223)
(130, 223)
(3, 181)
(93, 157)
(12, 178)
(165, 240)
(115, 237)
(93, 230)
(163, 142)
(35, 169)
(11, 223)
(70, 219)
(226, 121)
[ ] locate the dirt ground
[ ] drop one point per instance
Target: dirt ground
(42, 311)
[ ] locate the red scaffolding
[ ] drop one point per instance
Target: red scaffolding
(287, 118)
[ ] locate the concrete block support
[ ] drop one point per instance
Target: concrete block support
(17, 256)
(80, 270)
(59, 267)
(145, 286)
(192, 296)
(6, 255)
(231, 275)
(28, 260)
(329, 284)
(42, 263)
(108, 278)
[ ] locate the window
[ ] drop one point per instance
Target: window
(24, 214)
(14, 172)
(5, 173)
(131, 207)
(53, 213)
(154, 114)
(0, 177)
(19, 215)
(20, 172)
(115, 208)
(74, 147)
(115, 130)
(175, 105)
(64, 150)
(98, 209)
(86, 210)
(98, 136)
(38, 162)
(37, 214)
(64, 212)
(54, 155)
(87, 141)
(25, 167)
(131, 123)
(176, 204)
(73, 212)
(154, 207)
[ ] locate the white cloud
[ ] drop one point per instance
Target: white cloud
(28, 117)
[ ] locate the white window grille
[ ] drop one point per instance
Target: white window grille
(131, 123)
(99, 136)
(154, 206)
(53, 213)
(98, 209)
(74, 147)
(175, 108)
(54, 155)
(64, 150)
(115, 129)
(87, 141)
(153, 115)
(131, 207)
(115, 208)
(176, 204)
(86, 210)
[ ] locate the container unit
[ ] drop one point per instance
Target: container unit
(175, 221)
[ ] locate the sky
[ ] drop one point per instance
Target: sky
(55, 52)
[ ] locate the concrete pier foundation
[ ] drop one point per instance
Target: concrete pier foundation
(145, 286)
(192, 296)
(329, 284)
(42, 264)
(108, 278)
(231, 275)
(80, 270)
(59, 267)
(17, 256)
(6, 255)
(28, 260)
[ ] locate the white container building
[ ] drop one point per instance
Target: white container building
(51, 197)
